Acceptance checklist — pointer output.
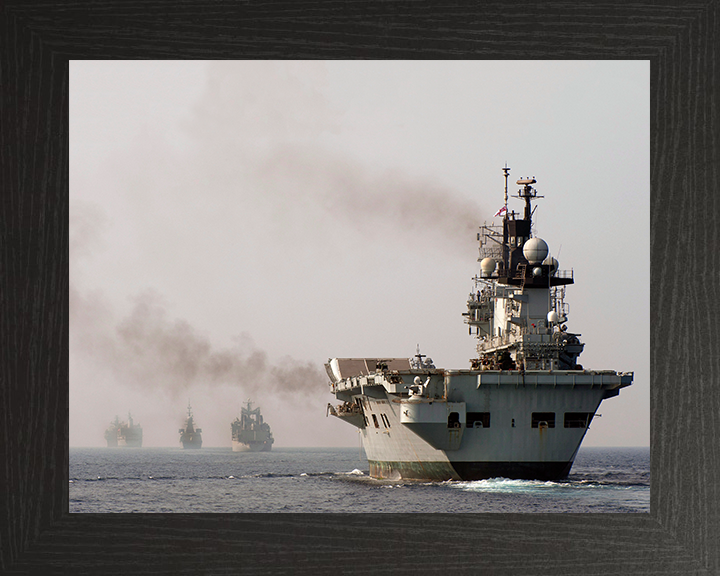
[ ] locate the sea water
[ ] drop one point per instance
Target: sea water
(218, 480)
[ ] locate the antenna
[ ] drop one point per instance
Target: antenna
(506, 170)
(527, 193)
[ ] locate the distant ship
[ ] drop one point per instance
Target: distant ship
(523, 406)
(124, 434)
(190, 436)
(250, 433)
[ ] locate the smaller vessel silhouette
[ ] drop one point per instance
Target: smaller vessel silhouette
(250, 433)
(124, 434)
(190, 436)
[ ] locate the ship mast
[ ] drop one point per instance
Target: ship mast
(507, 173)
(505, 251)
(527, 192)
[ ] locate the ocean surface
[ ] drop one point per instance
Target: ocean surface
(219, 480)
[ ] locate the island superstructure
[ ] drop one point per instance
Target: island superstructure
(124, 434)
(250, 433)
(524, 405)
(190, 436)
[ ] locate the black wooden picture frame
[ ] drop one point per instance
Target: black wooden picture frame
(679, 536)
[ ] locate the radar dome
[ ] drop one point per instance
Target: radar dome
(550, 261)
(553, 317)
(535, 250)
(487, 265)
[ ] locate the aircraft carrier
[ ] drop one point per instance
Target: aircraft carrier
(522, 407)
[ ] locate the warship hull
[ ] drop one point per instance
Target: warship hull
(192, 445)
(190, 436)
(251, 446)
(478, 424)
(124, 442)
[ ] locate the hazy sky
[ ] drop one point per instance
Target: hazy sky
(235, 224)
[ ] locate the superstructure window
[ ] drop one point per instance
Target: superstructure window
(477, 420)
(578, 419)
(375, 421)
(544, 419)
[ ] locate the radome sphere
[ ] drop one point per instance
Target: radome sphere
(535, 250)
(552, 262)
(487, 266)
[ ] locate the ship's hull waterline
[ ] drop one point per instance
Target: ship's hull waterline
(468, 471)
(254, 447)
(492, 424)
(129, 443)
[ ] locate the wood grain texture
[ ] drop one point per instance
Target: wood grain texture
(681, 534)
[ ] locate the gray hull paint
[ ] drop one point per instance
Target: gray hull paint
(411, 438)
(251, 447)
